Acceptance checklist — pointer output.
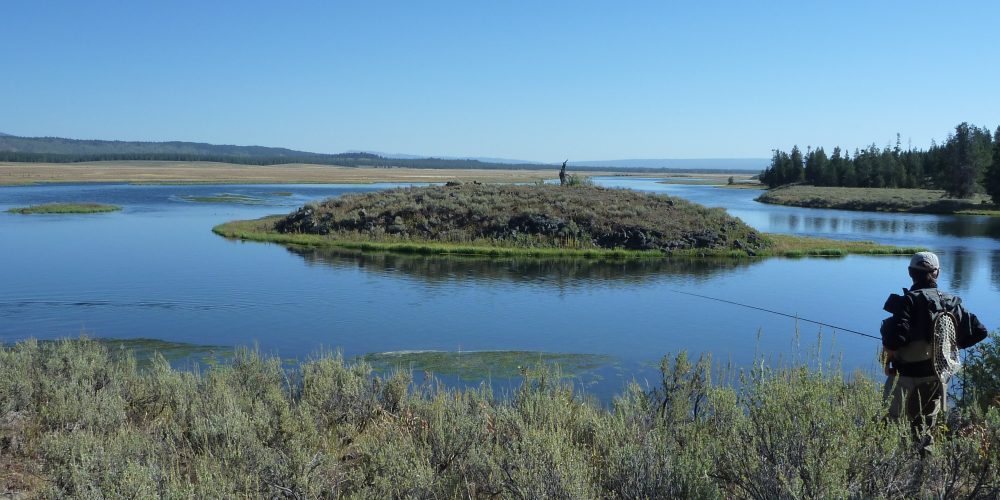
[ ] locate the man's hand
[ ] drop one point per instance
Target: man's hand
(886, 359)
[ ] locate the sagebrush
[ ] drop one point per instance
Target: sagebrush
(78, 420)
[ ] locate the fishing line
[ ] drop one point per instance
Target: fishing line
(848, 330)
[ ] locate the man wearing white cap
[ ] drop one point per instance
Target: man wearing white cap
(916, 352)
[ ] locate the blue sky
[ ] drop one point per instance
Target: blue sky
(531, 80)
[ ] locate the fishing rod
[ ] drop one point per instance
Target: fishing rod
(779, 313)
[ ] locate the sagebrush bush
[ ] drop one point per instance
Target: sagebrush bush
(580, 216)
(328, 428)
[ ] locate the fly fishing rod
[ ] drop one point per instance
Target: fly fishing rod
(779, 313)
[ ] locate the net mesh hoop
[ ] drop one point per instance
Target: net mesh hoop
(946, 357)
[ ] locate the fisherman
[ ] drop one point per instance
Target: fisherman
(916, 365)
(562, 174)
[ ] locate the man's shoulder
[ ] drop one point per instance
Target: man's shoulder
(935, 295)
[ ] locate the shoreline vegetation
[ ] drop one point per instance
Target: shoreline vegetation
(65, 208)
(79, 419)
(541, 221)
(967, 163)
(723, 180)
(928, 201)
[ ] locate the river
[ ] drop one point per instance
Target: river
(155, 271)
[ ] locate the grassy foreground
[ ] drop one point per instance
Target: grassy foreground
(66, 208)
(76, 420)
(530, 220)
(878, 200)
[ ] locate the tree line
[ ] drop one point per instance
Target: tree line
(968, 162)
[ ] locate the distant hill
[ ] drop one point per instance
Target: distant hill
(727, 164)
(483, 159)
(61, 150)
(77, 147)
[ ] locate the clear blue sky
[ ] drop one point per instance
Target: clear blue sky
(531, 80)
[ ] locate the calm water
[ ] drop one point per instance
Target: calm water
(155, 270)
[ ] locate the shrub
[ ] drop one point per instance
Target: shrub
(327, 428)
(981, 374)
(585, 217)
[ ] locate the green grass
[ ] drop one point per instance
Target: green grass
(785, 245)
(879, 200)
(66, 208)
(77, 421)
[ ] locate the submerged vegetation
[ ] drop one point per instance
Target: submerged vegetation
(582, 221)
(76, 421)
(479, 365)
(145, 351)
(879, 200)
(66, 208)
(240, 199)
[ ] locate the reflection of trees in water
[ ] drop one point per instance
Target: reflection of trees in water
(555, 272)
(959, 265)
(959, 226)
(995, 269)
(968, 226)
(889, 226)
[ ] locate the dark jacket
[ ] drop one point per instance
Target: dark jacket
(912, 317)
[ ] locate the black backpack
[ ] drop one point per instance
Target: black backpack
(945, 330)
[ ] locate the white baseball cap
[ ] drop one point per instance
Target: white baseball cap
(925, 261)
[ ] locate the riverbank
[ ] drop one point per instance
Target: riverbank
(78, 420)
(544, 221)
(879, 200)
(65, 208)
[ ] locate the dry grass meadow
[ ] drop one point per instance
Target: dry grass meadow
(170, 172)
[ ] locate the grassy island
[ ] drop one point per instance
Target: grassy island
(929, 201)
(539, 220)
(80, 421)
(66, 208)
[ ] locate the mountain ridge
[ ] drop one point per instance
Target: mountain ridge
(64, 150)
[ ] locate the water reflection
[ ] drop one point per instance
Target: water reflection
(969, 226)
(558, 273)
(995, 270)
(883, 225)
(959, 264)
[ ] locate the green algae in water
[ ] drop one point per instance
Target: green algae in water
(485, 364)
(144, 350)
(239, 199)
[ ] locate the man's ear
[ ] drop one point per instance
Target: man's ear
(936, 273)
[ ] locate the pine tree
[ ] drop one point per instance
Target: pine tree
(817, 165)
(993, 175)
(796, 171)
(831, 175)
(966, 158)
